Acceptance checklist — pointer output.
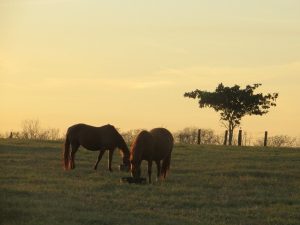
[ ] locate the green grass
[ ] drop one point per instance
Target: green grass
(206, 185)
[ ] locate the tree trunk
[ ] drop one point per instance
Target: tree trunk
(230, 137)
(225, 137)
(231, 127)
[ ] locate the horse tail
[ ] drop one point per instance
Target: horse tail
(66, 153)
(165, 166)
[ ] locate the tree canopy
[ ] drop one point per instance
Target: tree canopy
(234, 103)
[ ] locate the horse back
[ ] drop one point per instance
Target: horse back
(93, 138)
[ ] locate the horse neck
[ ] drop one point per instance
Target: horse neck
(136, 153)
(123, 147)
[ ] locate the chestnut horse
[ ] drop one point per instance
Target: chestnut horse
(156, 146)
(94, 139)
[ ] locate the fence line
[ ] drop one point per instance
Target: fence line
(240, 138)
(194, 135)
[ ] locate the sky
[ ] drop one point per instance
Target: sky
(129, 62)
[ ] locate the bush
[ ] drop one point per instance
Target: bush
(278, 141)
(130, 135)
(189, 135)
(31, 129)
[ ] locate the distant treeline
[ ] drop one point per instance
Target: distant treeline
(31, 129)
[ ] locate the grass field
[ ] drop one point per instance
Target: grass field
(206, 185)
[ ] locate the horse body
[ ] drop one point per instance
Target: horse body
(156, 146)
(94, 139)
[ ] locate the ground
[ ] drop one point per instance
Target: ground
(206, 185)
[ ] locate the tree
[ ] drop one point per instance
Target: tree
(31, 129)
(130, 135)
(234, 103)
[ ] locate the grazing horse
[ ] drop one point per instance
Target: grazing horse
(156, 146)
(94, 139)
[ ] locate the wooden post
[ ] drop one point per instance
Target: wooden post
(225, 137)
(199, 137)
(266, 139)
(240, 138)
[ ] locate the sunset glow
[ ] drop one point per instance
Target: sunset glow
(128, 63)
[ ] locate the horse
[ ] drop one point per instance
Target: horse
(156, 146)
(95, 139)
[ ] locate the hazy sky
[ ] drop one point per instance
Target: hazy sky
(128, 62)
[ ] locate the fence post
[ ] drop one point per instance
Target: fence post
(240, 138)
(225, 137)
(199, 137)
(266, 139)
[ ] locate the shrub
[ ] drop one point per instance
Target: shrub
(189, 135)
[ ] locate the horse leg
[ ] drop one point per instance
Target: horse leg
(99, 158)
(149, 170)
(158, 169)
(72, 160)
(110, 155)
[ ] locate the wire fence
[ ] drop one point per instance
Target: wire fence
(248, 138)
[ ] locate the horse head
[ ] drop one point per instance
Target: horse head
(125, 167)
(142, 145)
(125, 154)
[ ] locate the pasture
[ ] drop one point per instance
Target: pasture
(206, 185)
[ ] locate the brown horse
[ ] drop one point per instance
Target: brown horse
(94, 139)
(156, 146)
